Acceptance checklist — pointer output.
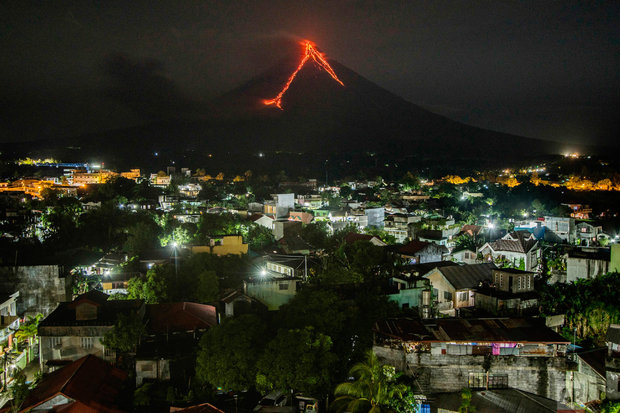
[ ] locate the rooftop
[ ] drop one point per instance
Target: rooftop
(467, 276)
(92, 383)
(511, 330)
(178, 317)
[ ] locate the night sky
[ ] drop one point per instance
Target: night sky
(544, 68)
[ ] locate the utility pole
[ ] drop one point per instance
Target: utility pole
(305, 268)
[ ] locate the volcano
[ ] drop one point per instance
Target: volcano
(321, 111)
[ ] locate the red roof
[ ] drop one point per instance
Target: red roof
(199, 408)
(171, 317)
(413, 247)
(92, 383)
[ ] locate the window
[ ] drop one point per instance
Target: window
(463, 296)
(447, 295)
(56, 341)
(529, 282)
(86, 343)
(519, 284)
(108, 352)
(283, 286)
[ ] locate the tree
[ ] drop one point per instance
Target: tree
(29, 329)
(141, 237)
(466, 406)
(260, 237)
(296, 359)
(229, 352)
(374, 389)
(125, 334)
(19, 390)
(208, 287)
(153, 288)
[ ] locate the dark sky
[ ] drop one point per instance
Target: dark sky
(543, 68)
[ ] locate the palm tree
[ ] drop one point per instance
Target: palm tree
(374, 389)
(28, 331)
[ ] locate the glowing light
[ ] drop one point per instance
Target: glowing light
(310, 52)
(263, 273)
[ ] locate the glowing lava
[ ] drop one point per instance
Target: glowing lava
(310, 52)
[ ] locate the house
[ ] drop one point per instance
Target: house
(117, 282)
(612, 362)
(236, 302)
(587, 234)
(563, 228)
(172, 332)
(353, 237)
(449, 354)
(75, 329)
(579, 211)
(511, 293)
(286, 266)
(272, 291)
(420, 252)
(300, 216)
(454, 286)
(415, 293)
(88, 384)
(262, 220)
(586, 262)
(465, 256)
(519, 249)
(471, 230)
(224, 245)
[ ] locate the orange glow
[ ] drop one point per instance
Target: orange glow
(310, 52)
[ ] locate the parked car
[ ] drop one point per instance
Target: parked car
(273, 399)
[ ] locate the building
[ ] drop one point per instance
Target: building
(41, 287)
(272, 291)
(117, 282)
(612, 362)
(519, 249)
(172, 333)
(263, 220)
(563, 228)
(587, 234)
(300, 216)
(133, 174)
(419, 252)
(511, 293)
(353, 237)
(465, 256)
(454, 286)
(449, 354)
(224, 245)
(88, 384)
(75, 329)
(415, 293)
(586, 263)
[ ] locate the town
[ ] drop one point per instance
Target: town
(194, 290)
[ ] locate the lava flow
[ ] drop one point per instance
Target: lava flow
(310, 52)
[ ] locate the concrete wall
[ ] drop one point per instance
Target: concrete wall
(40, 287)
(545, 376)
(584, 268)
(272, 293)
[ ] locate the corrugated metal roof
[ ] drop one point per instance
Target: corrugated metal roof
(468, 276)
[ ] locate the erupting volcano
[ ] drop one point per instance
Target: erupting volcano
(310, 52)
